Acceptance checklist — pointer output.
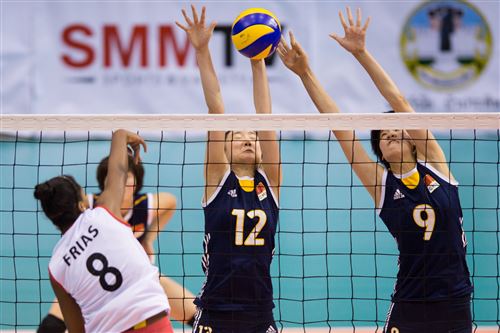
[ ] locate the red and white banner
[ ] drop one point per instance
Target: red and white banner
(129, 57)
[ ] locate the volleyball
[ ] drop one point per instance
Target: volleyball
(256, 33)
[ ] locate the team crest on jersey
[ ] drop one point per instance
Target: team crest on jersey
(431, 183)
(261, 191)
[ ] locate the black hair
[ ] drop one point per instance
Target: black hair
(375, 143)
(59, 197)
(136, 169)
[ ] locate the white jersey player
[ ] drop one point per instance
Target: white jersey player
(100, 274)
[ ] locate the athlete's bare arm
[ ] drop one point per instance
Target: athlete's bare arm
(199, 35)
(269, 144)
(368, 171)
(73, 317)
(428, 148)
(114, 187)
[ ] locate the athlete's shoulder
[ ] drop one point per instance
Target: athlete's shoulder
(229, 178)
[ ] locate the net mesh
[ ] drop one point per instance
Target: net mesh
(335, 262)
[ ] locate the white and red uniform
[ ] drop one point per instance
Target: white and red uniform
(99, 262)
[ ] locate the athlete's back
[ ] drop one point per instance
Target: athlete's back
(101, 265)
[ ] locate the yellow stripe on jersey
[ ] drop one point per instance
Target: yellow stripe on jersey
(140, 199)
(246, 184)
(412, 180)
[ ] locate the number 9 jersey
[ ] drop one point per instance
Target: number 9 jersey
(240, 223)
(422, 211)
(104, 268)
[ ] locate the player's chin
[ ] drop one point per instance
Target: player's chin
(393, 158)
(246, 160)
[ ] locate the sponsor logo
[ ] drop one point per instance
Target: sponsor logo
(142, 55)
(446, 44)
(398, 195)
(271, 329)
(232, 193)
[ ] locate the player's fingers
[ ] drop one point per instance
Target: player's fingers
(188, 20)
(280, 52)
(212, 26)
(195, 14)
(202, 19)
(367, 23)
(358, 17)
(299, 49)
(292, 38)
(284, 44)
(181, 26)
(342, 20)
(281, 48)
(144, 146)
(336, 37)
(349, 16)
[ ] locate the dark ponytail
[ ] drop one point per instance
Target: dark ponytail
(59, 198)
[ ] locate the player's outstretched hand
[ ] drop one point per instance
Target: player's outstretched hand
(293, 56)
(354, 39)
(199, 35)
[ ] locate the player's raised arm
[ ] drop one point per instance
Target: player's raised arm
(199, 36)
(295, 59)
(268, 142)
(114, 186)
(354, 42)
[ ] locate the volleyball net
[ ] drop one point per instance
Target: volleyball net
(335, 263)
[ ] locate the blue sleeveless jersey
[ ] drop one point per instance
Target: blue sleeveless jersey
(139, 217)
(240, 224)
(427, 224)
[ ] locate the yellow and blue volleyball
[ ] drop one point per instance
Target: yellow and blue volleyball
(256, 33)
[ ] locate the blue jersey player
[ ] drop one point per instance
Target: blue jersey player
(416, 196)
(242, 179)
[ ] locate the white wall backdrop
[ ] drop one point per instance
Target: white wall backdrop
(129, 57)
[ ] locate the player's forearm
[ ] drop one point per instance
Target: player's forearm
(261, 94)
(209, 81)
(118, 156)
(323, 102)
(382, 81)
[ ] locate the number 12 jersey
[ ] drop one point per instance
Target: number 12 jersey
(240, 223)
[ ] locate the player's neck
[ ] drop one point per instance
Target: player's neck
(243, 170)
(402, 168)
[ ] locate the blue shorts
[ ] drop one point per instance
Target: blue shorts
(430, 317)
(207, 321)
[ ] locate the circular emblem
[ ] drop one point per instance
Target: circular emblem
(446, 44)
